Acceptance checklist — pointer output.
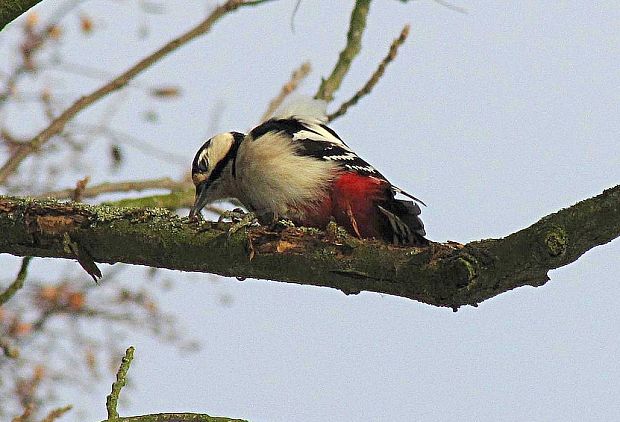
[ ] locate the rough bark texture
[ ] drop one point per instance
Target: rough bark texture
(12, 9)
(449, 274)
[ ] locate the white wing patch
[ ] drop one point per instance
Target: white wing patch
(344, 157)
(316, 132)
(364, 169)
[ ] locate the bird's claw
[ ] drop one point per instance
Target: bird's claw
(281, 224)
(239, 219)
(234, 216)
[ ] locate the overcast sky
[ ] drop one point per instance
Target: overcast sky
(494, 118)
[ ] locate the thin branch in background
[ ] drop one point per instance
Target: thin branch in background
(26, 392)
(117, 187)
(293, 15)
(67, 67)
(80, 186)
(56, 413)
(46, 101)
(35, 144)
(375, 76)
(18, 283)
(351, 50)
(171, 201)
(119, 137)
(33, 42)
(451, 6)
(76, 303)
(121, 380)
(86, 71)
(298, 75)
(181, 194)
(25, 416)
(8, 348)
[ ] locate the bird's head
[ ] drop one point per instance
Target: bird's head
(210, 169)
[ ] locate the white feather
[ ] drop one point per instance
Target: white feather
(304, 107)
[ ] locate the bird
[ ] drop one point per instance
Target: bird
(293, 166)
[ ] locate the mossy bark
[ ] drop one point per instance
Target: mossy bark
(448, 274)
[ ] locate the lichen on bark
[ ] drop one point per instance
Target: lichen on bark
(443, 274)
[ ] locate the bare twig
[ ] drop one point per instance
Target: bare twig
(298, 75)
(25, 416)
(34, 41)
(128, 186)
(451, 6)
(56, 413)
(170, 201)
(124, 138)
(80, 186)
(181, 194)
(120, 81)
(8, 348)
(375, 76)
(121, 380)
(351, 50)
(18, 283)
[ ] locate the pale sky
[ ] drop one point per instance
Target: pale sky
(494, 118)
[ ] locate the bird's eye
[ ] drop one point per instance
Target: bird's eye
(201, 161)
(203, 165)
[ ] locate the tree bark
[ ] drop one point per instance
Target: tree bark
(12, 9)
(447, 274)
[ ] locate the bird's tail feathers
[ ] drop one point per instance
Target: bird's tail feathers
(404, 219)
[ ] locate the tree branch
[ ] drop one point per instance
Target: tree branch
(351, 50)
(11, 10)
(17, 284)
(449, 274)
(56, 413)
(117, 83)
(377, 74)
(182, 194)
(121, 379)
(126, 186)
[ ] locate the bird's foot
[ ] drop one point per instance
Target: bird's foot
(280, 224)
(239, 220)
(234, 215)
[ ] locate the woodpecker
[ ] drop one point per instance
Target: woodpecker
(296, 167)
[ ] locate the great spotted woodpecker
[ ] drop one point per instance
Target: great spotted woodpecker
(296, 167)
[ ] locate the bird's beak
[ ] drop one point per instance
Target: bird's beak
(202, 199)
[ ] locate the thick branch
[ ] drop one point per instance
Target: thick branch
(442, 274)
(11, 10)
